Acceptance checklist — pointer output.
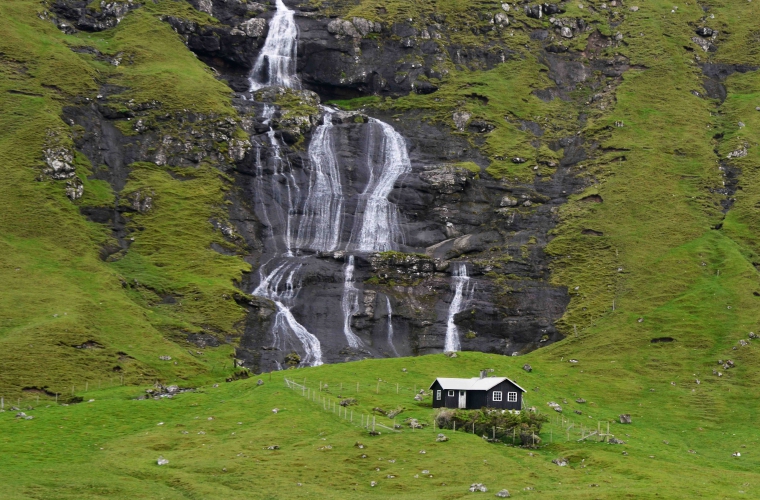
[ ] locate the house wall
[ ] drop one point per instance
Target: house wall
(479, 399)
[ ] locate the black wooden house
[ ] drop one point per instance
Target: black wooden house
(476, 393)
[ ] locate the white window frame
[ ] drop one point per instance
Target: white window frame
(451, 394)
(438, 395)
(511, 397)
(496, 396)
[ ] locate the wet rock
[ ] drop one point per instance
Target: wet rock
(447, 179)
(478, 487)
(625, 419)
(254, 28)
(85, 17)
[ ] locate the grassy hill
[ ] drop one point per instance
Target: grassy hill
(677, 258)
(679, 445)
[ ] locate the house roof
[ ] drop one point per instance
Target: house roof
(472, 384)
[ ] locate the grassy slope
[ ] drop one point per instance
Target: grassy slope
(685, 279)
(57, 293)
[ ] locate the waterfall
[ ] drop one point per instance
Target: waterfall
(320, 226)
(283, 178)
(276, 64)
(287, 330)
(459, 279)
(350, 303)
(387, 159)
(390, 326)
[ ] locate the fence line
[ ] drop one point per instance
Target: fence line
(368, 422)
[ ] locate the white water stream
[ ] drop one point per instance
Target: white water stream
(387, 160)
(288, 333)
(276, 63)
(350, 303)
(320, 226)
(459, 279)
(390, 326)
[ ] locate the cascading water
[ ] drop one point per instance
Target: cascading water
(320, 226)
(460, 279)
(276, 63)
(287, 330)
(390, 326)
(350, 303)
(387, 159)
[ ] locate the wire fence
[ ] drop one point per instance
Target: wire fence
(362, 419)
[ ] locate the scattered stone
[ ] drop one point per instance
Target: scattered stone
(165, 358)
(738, 153)
(527, 368)
(640, 320)
(625, 419)
(275, 410)
(566, 32)
(634, 9)
(451, 354)
(359, 445)
(736, 454)
(578, 412)
(743, 343)
(373, 483)
(572, 361)
(418, 397)
(272, 447)
(555, 406)
(704, 31)
(441, 438)
(752, 335)
(259, 382)
(614, 440)
(349, 402)
(580, 400)
(422, 452)
(518, 159)
(475, 487)
(162, 461)
(503, 494)
(692, 451)
(461, 118)
(414, 423)
(562, 462)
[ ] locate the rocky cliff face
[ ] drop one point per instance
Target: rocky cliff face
(451, 214)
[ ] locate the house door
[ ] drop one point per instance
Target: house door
(463, 399)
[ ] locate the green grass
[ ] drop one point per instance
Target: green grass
(56, 453)
(58, 293)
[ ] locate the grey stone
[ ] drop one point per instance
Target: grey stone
(254, 28)
(478, 487)
(503, 494)
(625, 419)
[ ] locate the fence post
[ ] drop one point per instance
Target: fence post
(373, 424)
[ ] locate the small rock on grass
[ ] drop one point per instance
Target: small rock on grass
(162, 461)
(441, 438)
(478, 487)
(625, 419)
(503, 494)
(562, 462)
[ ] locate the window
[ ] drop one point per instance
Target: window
(512, 397)
(497, 395)
(451, 394)
(438, 395)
